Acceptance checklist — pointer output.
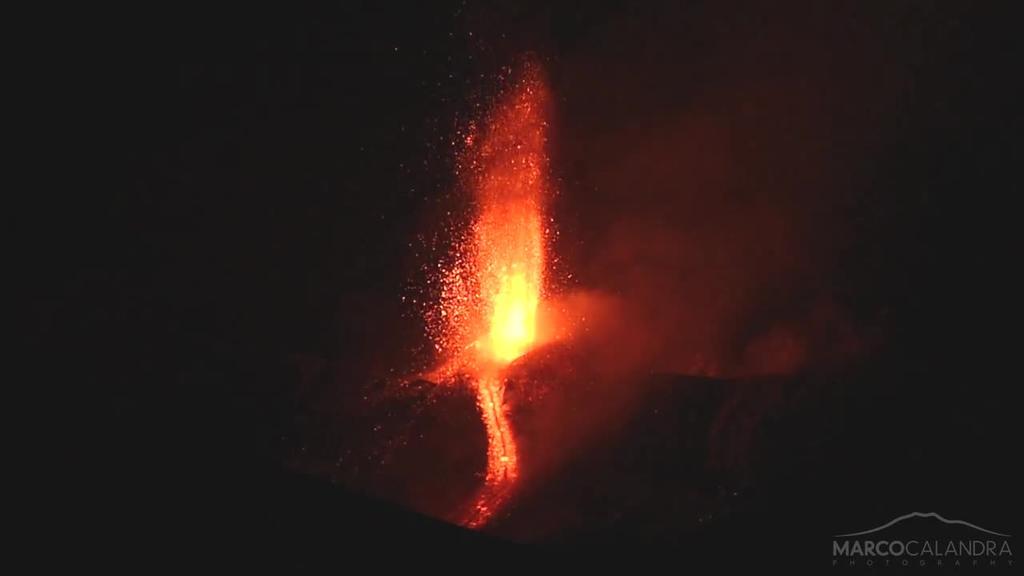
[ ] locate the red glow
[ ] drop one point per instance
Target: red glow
(502, 456)
(491, 292)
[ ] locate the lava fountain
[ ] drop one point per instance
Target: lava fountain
(491, 291)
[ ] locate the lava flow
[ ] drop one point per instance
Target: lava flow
(492, 290)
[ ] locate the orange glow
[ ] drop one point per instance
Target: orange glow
(508, 234)
(514, 322)
(502, 457)
(510, 263)
(492, 290)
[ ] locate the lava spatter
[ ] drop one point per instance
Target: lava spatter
(490, 293)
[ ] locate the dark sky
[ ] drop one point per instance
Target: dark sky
(265, 173)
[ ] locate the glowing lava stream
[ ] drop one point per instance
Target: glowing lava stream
(502, 465)
(492, 291)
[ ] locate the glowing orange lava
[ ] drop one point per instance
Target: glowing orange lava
(502, 458)
(492, 292)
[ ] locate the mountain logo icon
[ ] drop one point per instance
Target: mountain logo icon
(933, 515)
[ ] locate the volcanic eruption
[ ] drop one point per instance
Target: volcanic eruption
(487, 315)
